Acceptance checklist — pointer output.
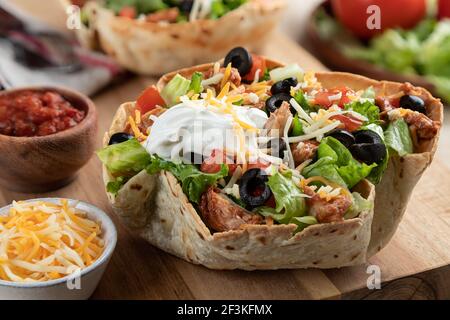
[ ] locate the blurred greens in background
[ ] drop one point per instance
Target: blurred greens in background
(423, 50)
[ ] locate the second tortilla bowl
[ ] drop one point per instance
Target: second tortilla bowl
(154, 48)
(155, 205)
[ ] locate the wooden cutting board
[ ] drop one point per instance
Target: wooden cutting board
(415, 264)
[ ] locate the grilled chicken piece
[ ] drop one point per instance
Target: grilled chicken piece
(424, 127)
(167, 15)
(235, 78)
(327, 211)
(303, 151)
(277, 120)
(221, 214)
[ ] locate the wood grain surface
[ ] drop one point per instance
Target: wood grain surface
(415, 264)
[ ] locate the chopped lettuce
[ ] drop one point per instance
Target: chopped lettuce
(141, 6)
(299, 96)
(336, 163)
(375, 128)
(324, 167)
(125, 159)
(398, 137)
(359, 205)
(114, 186)
(369, 93)
(303, 222)
(289, 199)
(196, 82)
(193, 181)
(266, 76)
(297, 127)
(290, 71)
(129, 158)
(218, 9)
(176, 88)
(367, 109)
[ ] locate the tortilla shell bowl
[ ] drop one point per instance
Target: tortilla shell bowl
(154, 49)
(44, 163)
(155, 207)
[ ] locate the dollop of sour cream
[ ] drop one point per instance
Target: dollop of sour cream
(196, 127)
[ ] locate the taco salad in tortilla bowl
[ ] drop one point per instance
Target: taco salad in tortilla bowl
(152, 37)
(247, 163)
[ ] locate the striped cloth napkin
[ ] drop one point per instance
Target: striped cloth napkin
(33, 54)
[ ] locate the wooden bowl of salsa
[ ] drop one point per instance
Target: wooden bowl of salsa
(46, 135)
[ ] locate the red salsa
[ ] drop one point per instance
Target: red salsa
(36, 113)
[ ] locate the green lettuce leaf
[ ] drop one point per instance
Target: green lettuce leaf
(297, 127)
(114, 186)
(359, 205)
(289, 199)
(367, 109)
(336, 163)
(125, 159)
(193, 181)
(141, 6)
(196, 82)
(303, 102)
(176, 88)
(398, 137)
(303, 222)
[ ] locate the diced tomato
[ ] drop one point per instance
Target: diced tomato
(349, 123)
(213, 164)
(322, 98)
(259, 63)
(149, 99)
(128, 12)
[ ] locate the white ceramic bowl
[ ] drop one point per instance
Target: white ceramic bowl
(67, 288)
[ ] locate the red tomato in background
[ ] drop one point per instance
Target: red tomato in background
(394, 13)
(444, 9)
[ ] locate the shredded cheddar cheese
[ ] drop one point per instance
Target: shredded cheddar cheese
(41, 241)
(226, 75)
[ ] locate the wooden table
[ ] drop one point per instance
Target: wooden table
(415, 264)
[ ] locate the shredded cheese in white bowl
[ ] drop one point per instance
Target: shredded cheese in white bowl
(45, 244)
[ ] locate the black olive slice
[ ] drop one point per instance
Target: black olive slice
(367, 136)
(253, 188)
(343, 136)
(277, 147)
(275, 101)
(414, 103)
(193, 158)
(119, 137)
(186, 5)
(369, 153)
(283, 86)
(240, 59)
